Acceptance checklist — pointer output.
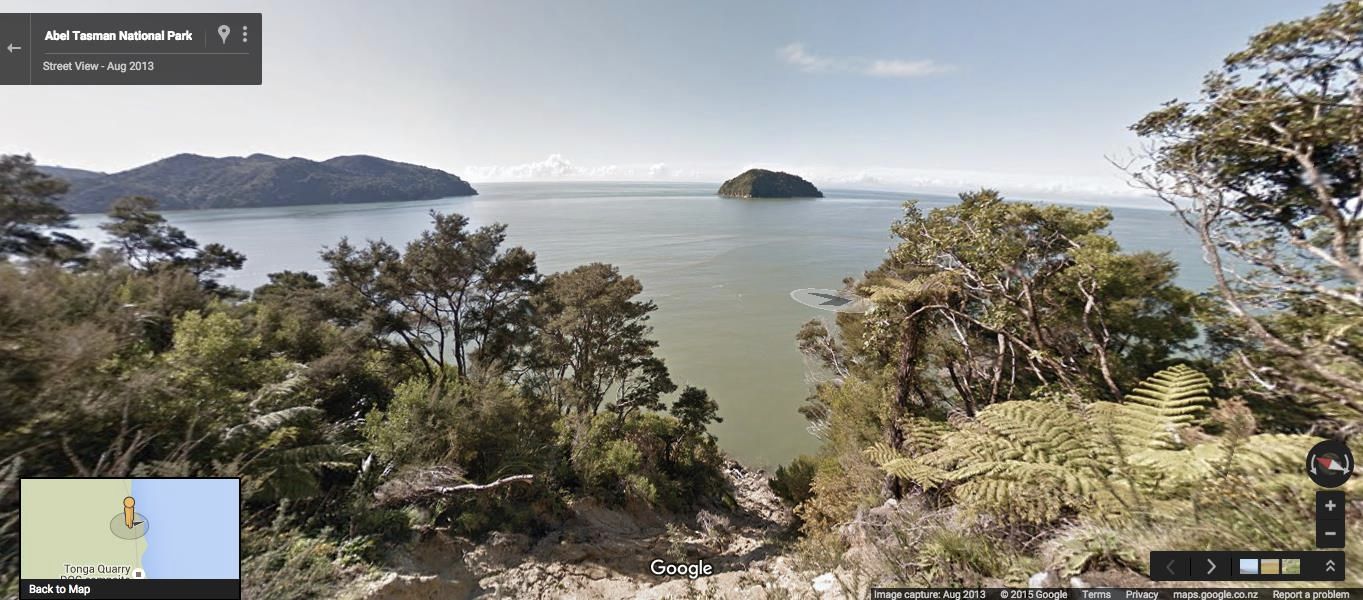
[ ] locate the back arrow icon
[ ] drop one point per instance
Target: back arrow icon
(12, 48)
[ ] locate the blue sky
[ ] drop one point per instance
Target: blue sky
(1029, 96)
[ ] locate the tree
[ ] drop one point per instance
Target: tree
(592, 338)
(990, 300)
(149, 243)
(143, 236)
(1021, 295)
(29, 214)
(1265, 168)
(451, 291)
(695, 409)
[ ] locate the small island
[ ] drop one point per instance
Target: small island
(761, 183)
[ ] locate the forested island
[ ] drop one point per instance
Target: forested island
(1027, 404)
(761, 183)
(190, 181)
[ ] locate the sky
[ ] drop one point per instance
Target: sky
(1031, 97)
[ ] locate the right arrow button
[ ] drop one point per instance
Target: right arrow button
(1214, 566)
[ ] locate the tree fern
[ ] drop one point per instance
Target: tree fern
(279, 455)
(1033, 462)
(1023, 461)
(1158, 409)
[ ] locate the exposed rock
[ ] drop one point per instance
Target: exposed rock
(394, 586)
(761, 183)
(824, 583)
(1042, 579)
(604, 552)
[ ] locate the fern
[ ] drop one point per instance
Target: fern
(272, 421)
(1035, 462)
(1159, 408)
(273, 455)
(923, 435)
(906, 468)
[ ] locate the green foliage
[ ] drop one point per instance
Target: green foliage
(1080, 547)
(29, 216)
(483, 429)
(647, 457)
(793, 482)
(1004, 297)
(282, 454)
(216, 364)
(483, 426)
(149, 243)
(592, 339)
(282, 563)
(845, 480)
(298, 318)
(1157, 409)
(136, 364)
(959, 558)
(450, 291)
(695, 410)
(1034, 462)
(1263, 167)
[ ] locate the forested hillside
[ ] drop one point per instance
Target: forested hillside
(190, 181)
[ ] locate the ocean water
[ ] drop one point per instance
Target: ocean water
(720, 269)
(193, 527)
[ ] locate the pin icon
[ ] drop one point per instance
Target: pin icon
(223, 32)
(128, 511)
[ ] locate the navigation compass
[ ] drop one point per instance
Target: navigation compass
(1329, 463)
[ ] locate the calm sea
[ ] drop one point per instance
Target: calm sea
(721, 270)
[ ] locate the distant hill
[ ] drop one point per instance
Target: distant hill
(190, 181)
(761, 183)
(71, 175)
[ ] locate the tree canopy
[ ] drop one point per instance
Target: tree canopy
(30, 219)
(1264, 167)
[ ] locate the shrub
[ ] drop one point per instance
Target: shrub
(469, 432)
(792, 482)
(649, 457)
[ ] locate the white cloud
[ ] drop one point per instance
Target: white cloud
(557, 167)
(1081, 189)
(796, 55)
(905, 68)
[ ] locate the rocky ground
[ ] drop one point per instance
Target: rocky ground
(605, 553)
